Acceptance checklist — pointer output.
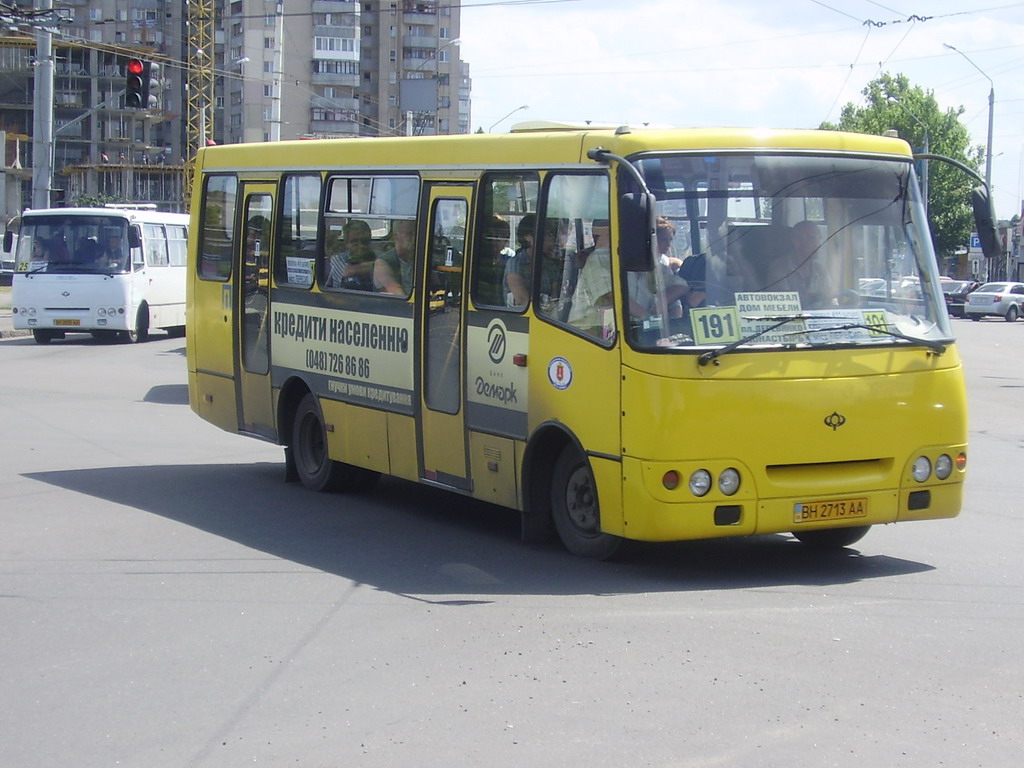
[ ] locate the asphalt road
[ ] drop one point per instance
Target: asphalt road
(166, 600)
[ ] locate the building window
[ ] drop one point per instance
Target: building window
(335, 44)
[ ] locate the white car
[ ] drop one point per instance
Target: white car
(1004, 300)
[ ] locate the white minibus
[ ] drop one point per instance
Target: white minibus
(115, 272)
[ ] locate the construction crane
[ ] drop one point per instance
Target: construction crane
(199, 77)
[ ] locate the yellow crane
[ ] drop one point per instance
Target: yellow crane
(199, 77)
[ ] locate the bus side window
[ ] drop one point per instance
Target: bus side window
(507, 227)
(216, 235)
(156, 245)
(300, 207)
(177, 244)
(136, 247)
(575, 204)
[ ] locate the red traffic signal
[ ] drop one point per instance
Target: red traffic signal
(136, 85)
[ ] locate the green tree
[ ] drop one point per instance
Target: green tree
(96, 201)
(891, 103)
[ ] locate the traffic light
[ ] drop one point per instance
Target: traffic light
(136, 86)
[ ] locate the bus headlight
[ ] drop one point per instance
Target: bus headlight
(101, 312)
(922, 469)
(943, 466)
(729, 481)
(700, 482)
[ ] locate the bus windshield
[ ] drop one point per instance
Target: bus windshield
(760, 250)
(70, 244)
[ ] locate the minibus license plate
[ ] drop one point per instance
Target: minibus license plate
(832, 509)
(68, 321)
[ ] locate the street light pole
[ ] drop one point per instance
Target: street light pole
(506, 117)
(991, 104)
(42, 115)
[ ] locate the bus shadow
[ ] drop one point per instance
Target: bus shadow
(416, 541)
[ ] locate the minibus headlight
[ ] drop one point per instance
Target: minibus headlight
(922, 469)
(110, 311)
(700, 482)
(101, 312)
(729, 481)
(943, 466)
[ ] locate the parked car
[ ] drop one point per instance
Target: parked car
(1004, 300)
(956, 295)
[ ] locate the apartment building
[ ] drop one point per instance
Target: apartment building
(331, 68)
(282, 69)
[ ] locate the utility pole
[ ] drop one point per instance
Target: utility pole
(275, 103)
(42, 114)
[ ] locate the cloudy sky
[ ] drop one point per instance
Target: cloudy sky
(777, 63)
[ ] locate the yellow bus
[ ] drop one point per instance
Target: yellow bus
(622, 333)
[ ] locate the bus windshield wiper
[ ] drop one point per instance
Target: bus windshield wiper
(777, 321)
(937, 347)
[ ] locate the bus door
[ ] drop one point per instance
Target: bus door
(442, 429)
(252, 289)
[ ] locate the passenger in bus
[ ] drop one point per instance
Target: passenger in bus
(352, 267)
(798, 269)
(88, 253)
(113, 255)
(58, 250)
(40, 251)
(665, 232)
(490, 265)
(519, 267)
(592, 299)
(393, 270)
(647, 298)
(693, 271)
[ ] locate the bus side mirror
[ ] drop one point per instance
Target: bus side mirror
(985, 222)
(636, 231)
(8, 240)
(134, 238)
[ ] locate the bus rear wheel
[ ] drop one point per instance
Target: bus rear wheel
(832, 538)
(575, 508)
(316, 470)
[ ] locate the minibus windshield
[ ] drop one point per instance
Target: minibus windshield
(763, 251)
(73, 244)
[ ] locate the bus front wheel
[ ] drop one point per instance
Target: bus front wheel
(575, 509)
(832, 538)
(314, 466)
(43, 336)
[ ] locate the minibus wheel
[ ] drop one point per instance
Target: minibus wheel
(316, 470)
(43, 336)
(575, 508)
(141, 332)
(832, 538)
